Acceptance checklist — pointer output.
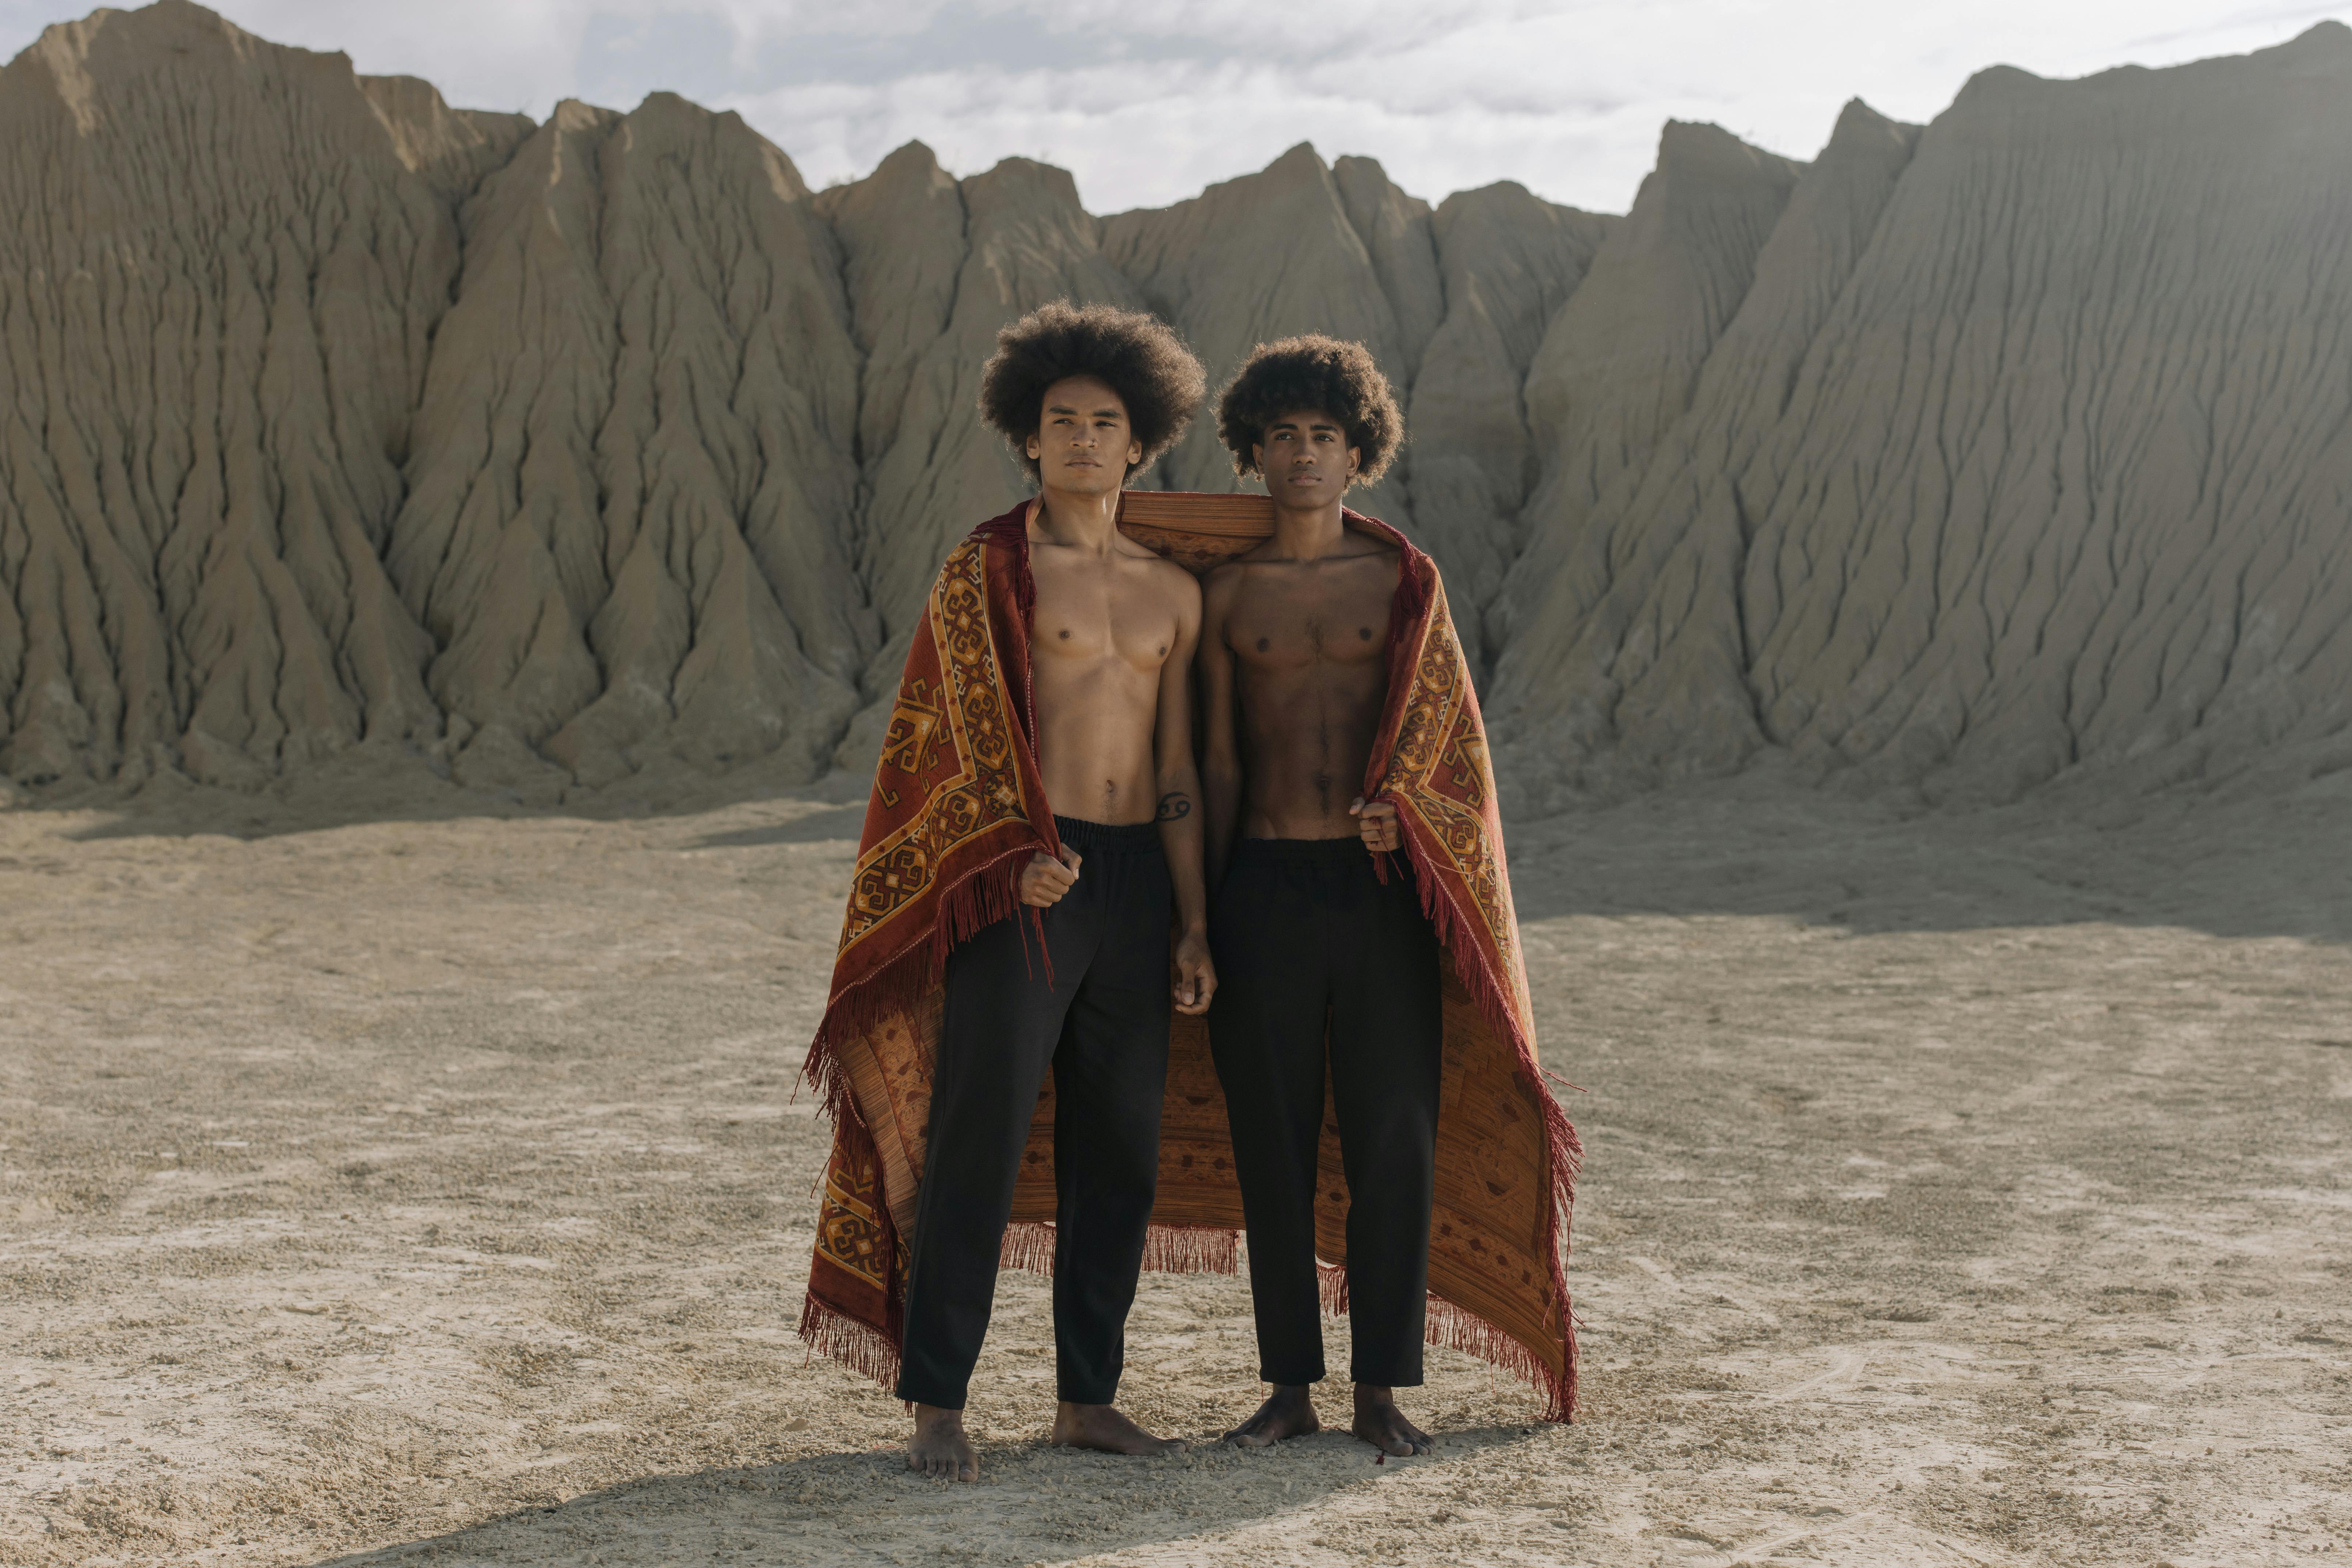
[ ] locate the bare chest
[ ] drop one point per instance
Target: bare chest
(1093, 617)
(1287, 621)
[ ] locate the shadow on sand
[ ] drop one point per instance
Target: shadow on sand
(1033, 1504)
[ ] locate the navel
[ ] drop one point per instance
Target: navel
(1365, 633)
(1066, 634)
(1264, 643)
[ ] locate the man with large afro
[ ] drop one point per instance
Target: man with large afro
(1312, 943)
(1158, 382)
(1086, 396)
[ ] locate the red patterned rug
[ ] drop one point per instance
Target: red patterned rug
(956, 811)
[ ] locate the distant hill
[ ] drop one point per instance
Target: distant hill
(1965, 457)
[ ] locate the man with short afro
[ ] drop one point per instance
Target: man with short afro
(1086, 396)
(1312, 943)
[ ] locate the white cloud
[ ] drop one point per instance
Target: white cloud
(1147, 104)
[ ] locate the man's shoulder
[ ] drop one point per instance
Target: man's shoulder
(1175, 580)
(1006, 530)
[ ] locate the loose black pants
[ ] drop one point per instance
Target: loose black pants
(1306, 936)
(1102, 1025)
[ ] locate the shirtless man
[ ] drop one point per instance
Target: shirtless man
(1294, 656)
(1086, 397)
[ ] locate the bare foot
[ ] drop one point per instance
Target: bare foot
(1379, 1423)
(1288, 1412)
(1104, 1429)
(938, 1448)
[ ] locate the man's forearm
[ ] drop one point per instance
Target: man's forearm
(1179, 817)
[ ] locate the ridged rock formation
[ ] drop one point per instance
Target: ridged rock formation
(2028, 447)
(1956, 460)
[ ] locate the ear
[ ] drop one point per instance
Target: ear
(1134, 453)
(1258, 455)
(1034, 450)
(1355, 461)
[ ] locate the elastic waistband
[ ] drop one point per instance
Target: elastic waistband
(1347, 851)
(1109, 838)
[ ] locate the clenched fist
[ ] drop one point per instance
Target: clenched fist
(1196, 974)
(1045, 879)
(1378, 826)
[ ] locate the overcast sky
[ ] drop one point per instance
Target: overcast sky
(1147, 103)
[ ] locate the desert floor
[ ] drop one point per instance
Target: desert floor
(391, 1175)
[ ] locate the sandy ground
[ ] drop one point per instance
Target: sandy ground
(391, 1177)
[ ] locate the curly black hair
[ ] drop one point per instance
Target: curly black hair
(1316, 373)
(1136, 355)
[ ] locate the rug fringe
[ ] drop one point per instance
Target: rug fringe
(1028, 1246)
(1465, 1331)
(1458, 1328)
(860, 1347)
(1192, 1249)
(1331, 1287)
(980, 900)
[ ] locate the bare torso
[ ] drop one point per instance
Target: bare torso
(1308, 644)
(1104, 629)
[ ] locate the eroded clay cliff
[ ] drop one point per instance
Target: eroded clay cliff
(1962, 457)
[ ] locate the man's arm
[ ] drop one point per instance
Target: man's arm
(1221, 761)
(1178, 812)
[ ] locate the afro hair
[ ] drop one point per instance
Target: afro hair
(1316, 373)
(1136, 355)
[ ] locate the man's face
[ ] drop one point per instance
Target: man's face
(1083, 442)
(1306, 460)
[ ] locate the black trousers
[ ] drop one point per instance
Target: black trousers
(1306, 934)
(1102, 1025)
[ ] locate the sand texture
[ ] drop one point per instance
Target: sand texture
(444, 557)
(1960, 459)
(385, 1182)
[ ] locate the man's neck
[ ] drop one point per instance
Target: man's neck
(1308, 535)
(1079, 521)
